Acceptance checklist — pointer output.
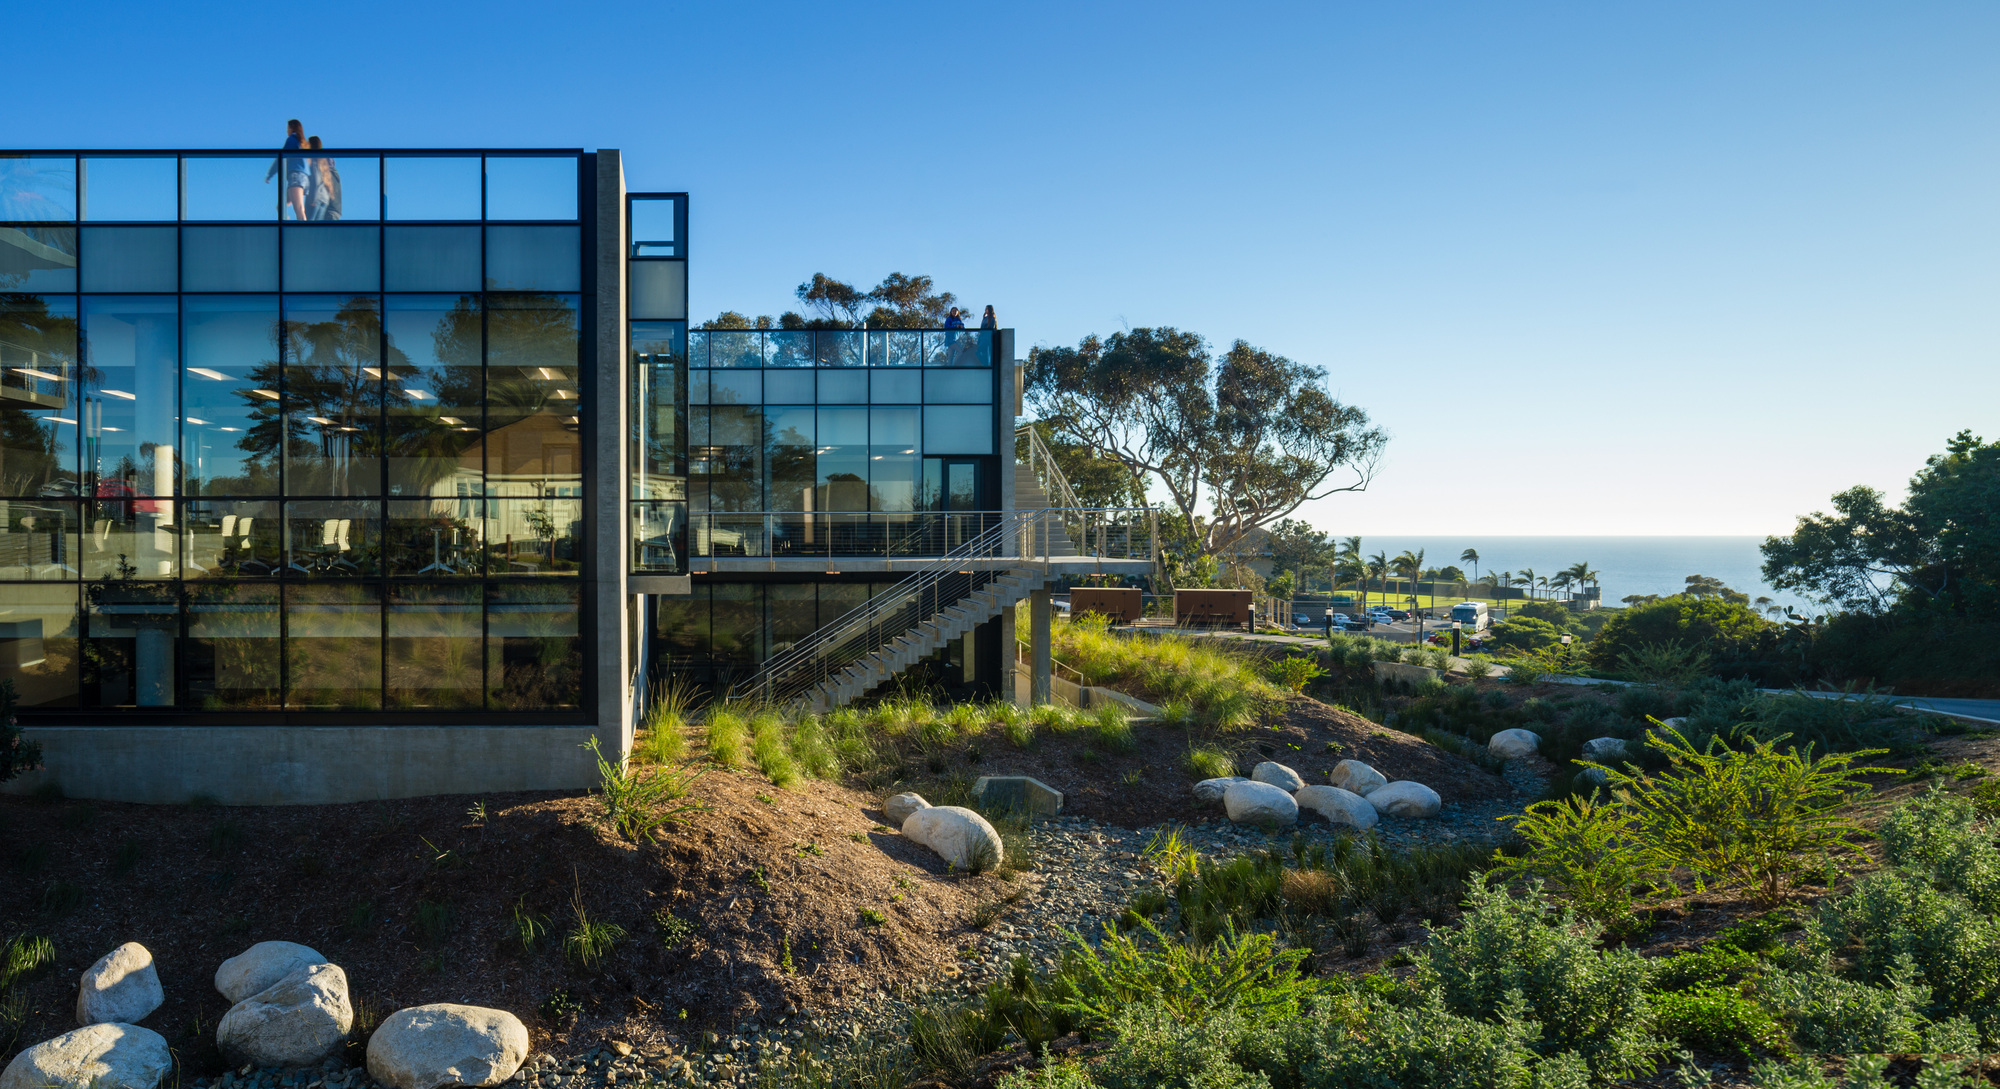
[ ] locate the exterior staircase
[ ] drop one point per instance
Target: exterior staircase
(999, 594)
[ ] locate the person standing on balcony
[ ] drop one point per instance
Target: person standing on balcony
(954, 319)
(325, 185)
(294, 167)
(989, 321)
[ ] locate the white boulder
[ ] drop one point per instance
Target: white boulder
(122, 987)
(1600, 750)
(1338, 805)
(261, 965)
(1357, 777)
(100, 1056)
(1210, 790)
(1278, 775)
(1514, 744)
(296, 1021)
(1406, 798)
(1259, 803)
(958, 835)
(425, 1047)
(899, 808)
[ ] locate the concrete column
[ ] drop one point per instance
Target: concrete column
(609, 531)
(1040, 611)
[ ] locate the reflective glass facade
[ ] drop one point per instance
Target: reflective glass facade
(256, 463)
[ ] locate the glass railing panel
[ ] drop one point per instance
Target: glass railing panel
(958, 348)
(656, 226)
(698, 349)
(839, 348)
(431, 187)
(788, 349)
(531, 186)
(37, 188)
(735, 348)
(135, 188)
(247, 188)
(659, 537)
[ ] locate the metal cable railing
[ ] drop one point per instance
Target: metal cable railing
(1048, 474)
(1018, 539)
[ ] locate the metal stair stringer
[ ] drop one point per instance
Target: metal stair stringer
(925, 638)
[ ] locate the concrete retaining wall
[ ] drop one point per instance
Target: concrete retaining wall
(305, 765)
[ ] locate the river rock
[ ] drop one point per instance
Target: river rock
(425, 1047)
(1593, 777)
(1406, 798)
(1210, 790)
(958, 835)
(295, 1022)
(1338, 805)
(1514, 744)
(1278, 775)
(101, 1056)
(899, 808)
(1602, 750)
(1357, 777)
(122, 987)
(261, 965)
(1259, 803)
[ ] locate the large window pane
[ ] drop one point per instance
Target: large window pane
(37, 188)
(659, 537)
(659, 290)
(38, 540)
(734, 388)
(958, 387)
(431, 188)
(534, 647)
(893, 463)
(229, 433)
(532, 442)
(681, 626)
(843, 387)
(794, 614)
(132, 188)
(132, 630)
(434, 417)
(842, 461)
(533, 259)
(787, 387)
(38, 258)
(243, 188)
(436, 538)
(229, 259)
(540, 536)
(132, 348)
(131, 258)
(39, 644)
(432, 658)
(234, 659)
(698, 349)
(658, 411)
(958, 429)
(231, 538)
(430, 258)
(656, 226)
(531, 187)
(38, 426)
(333, 646)
(333, 539)
(792, 443)
(737, 624)
(330, 258)
(333, 395)
(896, 387)
(725, 458)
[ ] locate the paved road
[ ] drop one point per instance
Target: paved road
(1982, 710)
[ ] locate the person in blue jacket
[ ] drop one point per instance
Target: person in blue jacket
(294, 167)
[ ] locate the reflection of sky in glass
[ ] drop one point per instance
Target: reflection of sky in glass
(432, 188)
(38, 188)
(231, 188)
(531, 187)
(131, 189)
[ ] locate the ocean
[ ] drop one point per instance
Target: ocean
(1625, 565)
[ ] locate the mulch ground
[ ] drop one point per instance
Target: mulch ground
(413, 900)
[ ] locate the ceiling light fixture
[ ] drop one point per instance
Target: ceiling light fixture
(119, 393)
(270, 393)
(206, 373)
(33, 373)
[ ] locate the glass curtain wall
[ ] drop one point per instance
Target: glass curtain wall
(329, 466)
(658, 445)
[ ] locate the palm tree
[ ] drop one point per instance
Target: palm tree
(1562, 579)
(1378, 568)
(1410, 565)
(1349, 558)
(1471, 556)
(1579, 573)
(1527, 580)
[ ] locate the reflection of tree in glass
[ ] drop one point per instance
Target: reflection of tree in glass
(531, 346)
(333, 377)
(32, 459)
(537, 665)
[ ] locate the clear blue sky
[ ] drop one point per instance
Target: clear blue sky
(1685, 268)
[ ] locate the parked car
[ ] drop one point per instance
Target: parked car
(1304, 620)
(1397, 614)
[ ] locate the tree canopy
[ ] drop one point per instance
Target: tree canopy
(1244, 440)
(898, 302)
(1940, 550)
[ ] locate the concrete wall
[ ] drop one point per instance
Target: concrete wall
(305, 765)
(609, 521)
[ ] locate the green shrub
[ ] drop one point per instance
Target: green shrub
(1506, 950)
(1940, 836)
(1712, 965)
(1189, 980)
(641, 803)
(768, 749)
(1830, 1015)
(1758, 816)
(1668, 663)
(1156, 1046)
(727, 734)
(1425, 1046)
(1113, 729)
(1526, 671)
(1209, 762)
(1716, 1019)
(1296, 671)
(1589, 854)
(1897, 918)
(665, 737)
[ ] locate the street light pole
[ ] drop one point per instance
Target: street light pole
(1566, 640)
(1456, 626)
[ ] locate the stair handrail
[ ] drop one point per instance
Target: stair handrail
(860, 631)
(1042, 463)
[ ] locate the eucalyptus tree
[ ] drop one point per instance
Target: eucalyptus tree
(1244, 439)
